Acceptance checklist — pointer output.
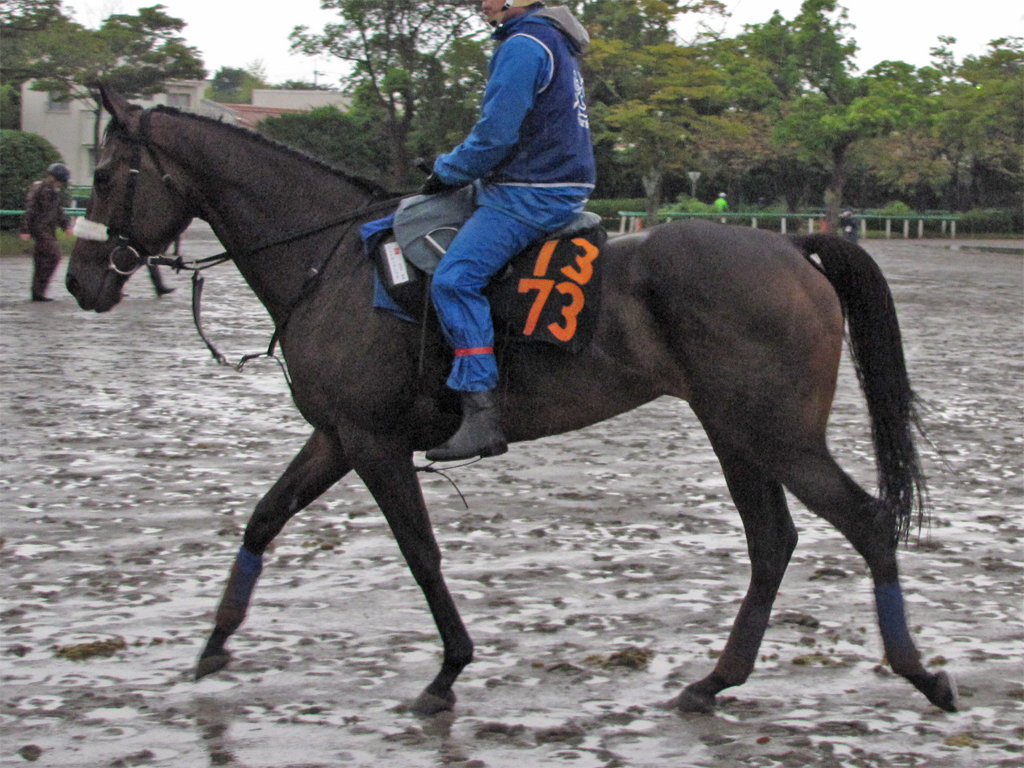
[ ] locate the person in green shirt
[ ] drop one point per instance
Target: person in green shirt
(721, 204)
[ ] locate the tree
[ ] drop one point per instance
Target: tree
(338, 138)
(21, 22)
(980, 122)
(397, 47)
(825, 107)
(450, 98)
(901, 102)
(303, 85)
(134, 55)
(647, 93)
(656, 124)
(235, 86)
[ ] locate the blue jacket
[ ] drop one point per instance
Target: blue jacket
(531, 151)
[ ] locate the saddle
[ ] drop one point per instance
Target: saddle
(548, 293)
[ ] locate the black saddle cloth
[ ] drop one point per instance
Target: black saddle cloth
(548, 293)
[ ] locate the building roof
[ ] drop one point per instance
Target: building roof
(247, 115)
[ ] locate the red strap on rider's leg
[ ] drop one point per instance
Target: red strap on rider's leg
(474, 351)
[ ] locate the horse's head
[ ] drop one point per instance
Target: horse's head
(139, 205)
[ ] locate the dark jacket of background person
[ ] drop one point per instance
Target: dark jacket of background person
(848, 226)
(44, 211)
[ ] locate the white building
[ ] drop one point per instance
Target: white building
(70, 125)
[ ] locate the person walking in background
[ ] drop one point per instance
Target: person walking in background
(44, 213)
(721, 205)
(848, 226)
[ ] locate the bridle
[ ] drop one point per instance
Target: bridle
(120, 231)
(120, 227)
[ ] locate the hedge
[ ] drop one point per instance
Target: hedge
(608, 210)
(992, 220)
(24, 158)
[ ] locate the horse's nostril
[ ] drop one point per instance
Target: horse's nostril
(72, 285)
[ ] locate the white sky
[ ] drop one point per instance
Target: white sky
(236, 34)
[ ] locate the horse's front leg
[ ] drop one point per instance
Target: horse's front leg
(387, 469)
(316, 468)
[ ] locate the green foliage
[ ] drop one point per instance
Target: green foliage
(639, 23)
(398, 50)
(22, 24)
(608, 210)
(10, 108)
(303, 85)
(650, 96)
(896, 208)
(450, 100)
(687, 204)
(981, 118)
(24, 158)
(231, 85)
(992, 221)
(337, 138)
(132, 54)
(823, 107)
(774, 114)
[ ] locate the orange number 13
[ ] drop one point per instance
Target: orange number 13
(580, 275)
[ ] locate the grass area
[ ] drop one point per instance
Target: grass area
(11, 244)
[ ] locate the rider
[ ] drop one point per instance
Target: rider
(531, 161)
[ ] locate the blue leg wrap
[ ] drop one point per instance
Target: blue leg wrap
(248, 568)
(891, 618)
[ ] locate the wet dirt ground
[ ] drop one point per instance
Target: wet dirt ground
(598, 572)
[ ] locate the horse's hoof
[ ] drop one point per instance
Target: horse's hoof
(695, 701)
(213, 663)
(428, 703)
(944, 695)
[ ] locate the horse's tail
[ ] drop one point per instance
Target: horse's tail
(876, 347)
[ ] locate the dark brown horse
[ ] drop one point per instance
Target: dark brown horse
(738, 322)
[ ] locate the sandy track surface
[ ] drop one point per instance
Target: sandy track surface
(598, 572)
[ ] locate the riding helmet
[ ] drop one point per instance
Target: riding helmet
(60, 172)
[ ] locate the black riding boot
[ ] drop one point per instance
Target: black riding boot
(478, 435)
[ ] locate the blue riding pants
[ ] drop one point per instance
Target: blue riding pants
(485, 244)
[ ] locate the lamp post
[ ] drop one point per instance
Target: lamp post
(694, 176)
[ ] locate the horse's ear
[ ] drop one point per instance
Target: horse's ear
(116, 105)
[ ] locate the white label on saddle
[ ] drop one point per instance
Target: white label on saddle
(90, 230)
(396, 263)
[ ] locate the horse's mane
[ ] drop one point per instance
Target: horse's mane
(368, 186)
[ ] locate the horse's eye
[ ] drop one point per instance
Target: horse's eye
(102, 177)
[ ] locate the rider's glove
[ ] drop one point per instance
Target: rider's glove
(435, 186)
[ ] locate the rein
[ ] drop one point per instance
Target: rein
(311, 280)
(127, 243)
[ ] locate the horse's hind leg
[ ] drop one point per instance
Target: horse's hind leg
(771, 538)
(389, 474)
(316, 468)
(829, 492)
